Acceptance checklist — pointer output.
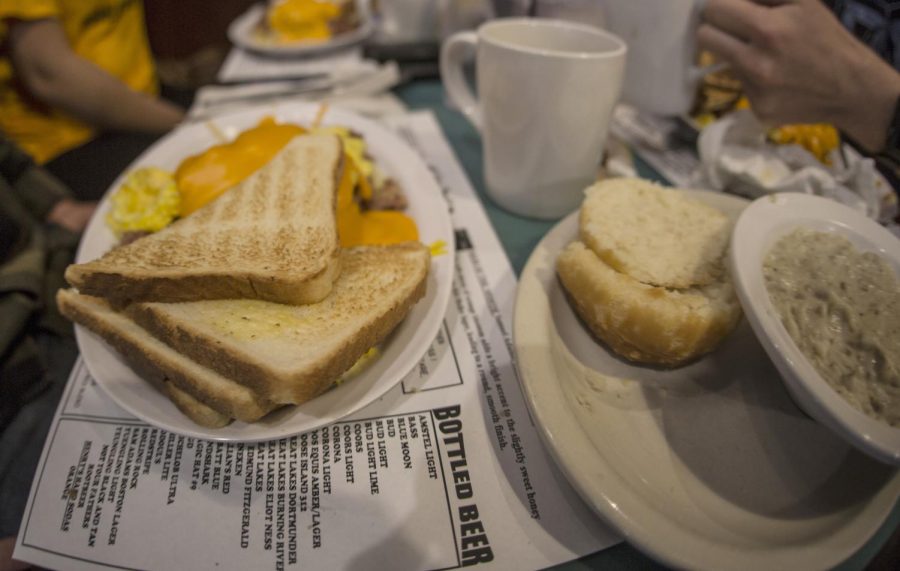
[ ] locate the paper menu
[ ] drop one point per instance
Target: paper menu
(446, 470)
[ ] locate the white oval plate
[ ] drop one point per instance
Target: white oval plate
(399, 353)
(243, 33)
(759, 227)
(708, 466)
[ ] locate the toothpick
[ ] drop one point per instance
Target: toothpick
(320, 114)
(217, 132)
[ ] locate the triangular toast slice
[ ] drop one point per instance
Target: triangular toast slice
(290, 354)
(272, 237)
(194, 409)
(205, 396)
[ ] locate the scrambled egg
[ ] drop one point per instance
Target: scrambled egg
(298, 20)
(354, 148)
(147, 201)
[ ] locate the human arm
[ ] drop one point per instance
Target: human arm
(798, 64)
(39, 192)
(58, 77)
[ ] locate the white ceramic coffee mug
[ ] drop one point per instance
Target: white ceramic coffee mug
(661, 35)
(546, 90)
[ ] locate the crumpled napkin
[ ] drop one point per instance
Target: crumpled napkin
(735, 155)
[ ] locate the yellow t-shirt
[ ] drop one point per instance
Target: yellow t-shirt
(109, 33)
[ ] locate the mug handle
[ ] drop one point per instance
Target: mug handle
(459, 48)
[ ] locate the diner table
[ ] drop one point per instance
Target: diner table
(519, 236)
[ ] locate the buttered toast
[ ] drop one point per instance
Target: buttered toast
(290, 354)
(272, 237)
(243, 358)
(195, 409)
(156, 362)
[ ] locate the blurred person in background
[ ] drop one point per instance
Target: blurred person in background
(79, 100)
(876, 23)
(78, 87)
(799, 64)
(40, 225)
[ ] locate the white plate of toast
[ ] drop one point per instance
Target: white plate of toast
(247, 32)
(350, 316)
(709, 465)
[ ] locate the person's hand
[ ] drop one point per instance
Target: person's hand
(7, 563)
(799, 65)
(72, 214)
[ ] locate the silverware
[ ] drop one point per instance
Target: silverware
(253, 81)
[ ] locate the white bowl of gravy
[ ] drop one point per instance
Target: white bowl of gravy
(820, 285)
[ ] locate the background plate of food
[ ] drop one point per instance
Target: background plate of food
(302, 27)
(402, 183)
(708, 464)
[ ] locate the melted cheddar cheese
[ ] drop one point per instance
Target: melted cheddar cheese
(205, 176)
(370, 227)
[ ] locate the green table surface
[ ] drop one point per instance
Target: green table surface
(519, 236)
